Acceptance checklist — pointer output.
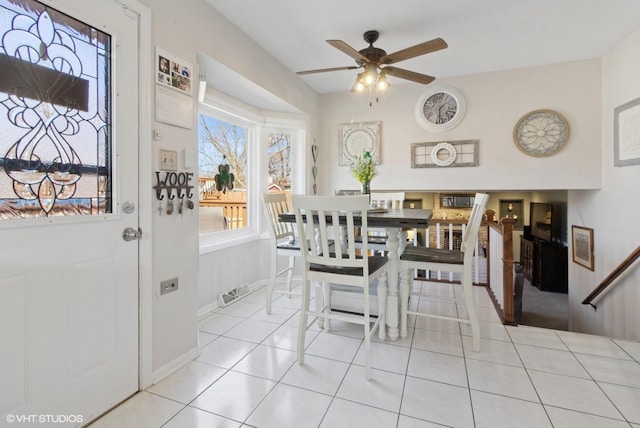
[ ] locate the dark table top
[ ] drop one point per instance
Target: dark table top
(407, 218)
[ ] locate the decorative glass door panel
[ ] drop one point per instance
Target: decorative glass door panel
(55, 114)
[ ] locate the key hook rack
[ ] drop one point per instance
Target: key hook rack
(178, 181)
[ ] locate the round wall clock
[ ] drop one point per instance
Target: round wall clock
(440, 108)
(541, 133)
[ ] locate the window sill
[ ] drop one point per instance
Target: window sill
(222, 240)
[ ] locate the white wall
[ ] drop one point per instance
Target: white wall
(612, 212)
(183, 29)
(495, 102)
(599, 195)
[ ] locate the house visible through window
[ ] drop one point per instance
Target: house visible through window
(280, 161)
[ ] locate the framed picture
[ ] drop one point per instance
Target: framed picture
(582, 240)
(626, 134)
(357, 138)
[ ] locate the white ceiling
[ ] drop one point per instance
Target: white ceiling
(483, 35)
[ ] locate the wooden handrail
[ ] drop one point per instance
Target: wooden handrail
(612, 277)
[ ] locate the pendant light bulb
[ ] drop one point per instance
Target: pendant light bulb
(370, 74)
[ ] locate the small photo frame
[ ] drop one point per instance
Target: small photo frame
(173, 72)
(626, 134)
(582, 240)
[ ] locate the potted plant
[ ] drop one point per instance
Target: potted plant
(364, 169)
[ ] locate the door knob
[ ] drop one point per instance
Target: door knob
(129, 234)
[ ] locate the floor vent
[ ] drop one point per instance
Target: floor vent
(230, 296)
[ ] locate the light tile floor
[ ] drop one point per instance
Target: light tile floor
(247, 376)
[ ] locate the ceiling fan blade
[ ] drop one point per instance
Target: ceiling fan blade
(322, 70)
(409, 75)
(413, 51)
(342, 46)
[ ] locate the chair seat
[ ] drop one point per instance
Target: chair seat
(372, 239)
(295, 245)
(432, 255)
(375, 263)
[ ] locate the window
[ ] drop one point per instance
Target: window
(280, 160)
(223, 152)
(262, 154)
(55, 114)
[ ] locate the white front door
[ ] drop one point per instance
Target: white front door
(68, 189)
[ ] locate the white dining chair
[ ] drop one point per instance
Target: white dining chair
(321, 217)
(284, 243)
(377, 237)
(439, 259)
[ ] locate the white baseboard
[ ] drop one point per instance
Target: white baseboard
(207, 310)
(175, 365)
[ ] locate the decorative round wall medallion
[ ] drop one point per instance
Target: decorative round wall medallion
(541, 133)
(443, 161)
(440, 108)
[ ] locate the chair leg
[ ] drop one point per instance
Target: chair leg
(467, 288)
(272, 280)
(406, 284)
(326, 293)
(382, 306)
(367, 336)
(304, 319)
(292, 261)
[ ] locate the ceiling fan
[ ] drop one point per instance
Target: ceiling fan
(373, 59)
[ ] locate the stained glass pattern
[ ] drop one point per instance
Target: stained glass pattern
(55, 114)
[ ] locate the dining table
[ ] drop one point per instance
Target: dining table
(396, 222)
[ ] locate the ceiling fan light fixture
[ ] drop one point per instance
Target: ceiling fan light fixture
(382, 81)
(370, 74)
(374, 77)
(360, 84)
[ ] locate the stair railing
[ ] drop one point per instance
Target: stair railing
(612, 277)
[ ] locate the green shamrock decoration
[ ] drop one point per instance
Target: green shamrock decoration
(224, 178)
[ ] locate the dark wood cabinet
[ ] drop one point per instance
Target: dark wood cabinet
(544, 264)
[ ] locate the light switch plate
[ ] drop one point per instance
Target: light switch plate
(168, 160)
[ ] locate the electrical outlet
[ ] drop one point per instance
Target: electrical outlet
(168, 286)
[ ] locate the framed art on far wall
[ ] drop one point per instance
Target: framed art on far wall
(626, 134)
(357, 138)
(582, 240)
